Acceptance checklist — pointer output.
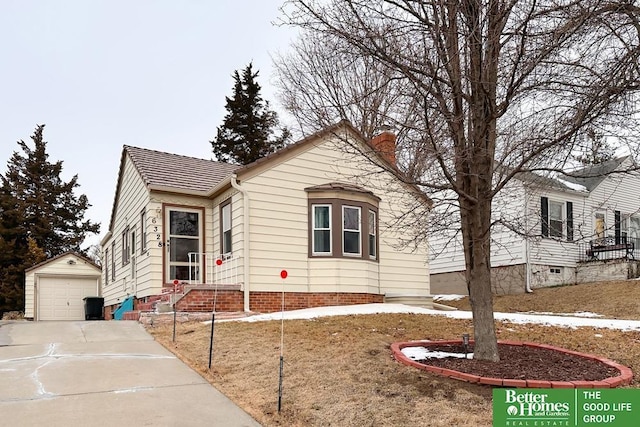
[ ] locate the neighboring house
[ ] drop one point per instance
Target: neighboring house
(55, 289)
(577, 226)
(318, 209)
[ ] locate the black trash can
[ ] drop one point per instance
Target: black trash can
(93, 308)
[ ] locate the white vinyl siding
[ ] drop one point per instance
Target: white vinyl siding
(126, 277)
(507, 247)
(280, 229)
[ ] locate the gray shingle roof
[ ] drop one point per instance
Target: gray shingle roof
(591, 176)
(168, 170)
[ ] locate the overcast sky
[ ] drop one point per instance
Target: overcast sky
(148, 73)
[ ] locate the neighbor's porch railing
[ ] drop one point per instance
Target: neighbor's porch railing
(219, 269)
(609, 247)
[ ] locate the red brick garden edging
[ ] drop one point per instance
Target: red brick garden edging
(624, 378)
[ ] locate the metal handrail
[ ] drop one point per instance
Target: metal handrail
(219, 269)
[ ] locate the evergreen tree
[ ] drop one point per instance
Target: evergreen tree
(593, 148)
(248, 130)
(40, 217)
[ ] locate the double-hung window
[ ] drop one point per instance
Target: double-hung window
(556, 219)
(372, 234)
(106, 266)
(125, 246)
(143, 231)
(113, 260)
(225, 229)
(351, 229)
(321, 233)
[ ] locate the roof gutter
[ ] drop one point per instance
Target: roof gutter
(105, 238)
(245, 236)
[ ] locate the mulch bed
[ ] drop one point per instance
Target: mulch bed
(524, 362)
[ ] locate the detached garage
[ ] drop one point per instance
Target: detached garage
(54, 289)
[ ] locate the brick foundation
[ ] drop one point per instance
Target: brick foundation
(268, 302)
(201, 300)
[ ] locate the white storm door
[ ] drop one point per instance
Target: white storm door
(184, 252)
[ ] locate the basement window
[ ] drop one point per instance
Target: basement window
(555, 270)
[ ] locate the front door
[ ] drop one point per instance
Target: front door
(184, 244)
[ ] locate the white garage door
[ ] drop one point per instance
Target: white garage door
(60, 298)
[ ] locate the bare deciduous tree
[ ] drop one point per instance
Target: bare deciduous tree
(501, 87)
(321, 81)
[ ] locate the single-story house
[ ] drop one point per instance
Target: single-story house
(55, 289)
(326, 209)
(582, 226)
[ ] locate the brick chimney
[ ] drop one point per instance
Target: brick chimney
(385, 145)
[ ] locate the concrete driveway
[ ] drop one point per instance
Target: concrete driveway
(102, 374)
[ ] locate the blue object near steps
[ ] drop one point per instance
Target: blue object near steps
(126, 305)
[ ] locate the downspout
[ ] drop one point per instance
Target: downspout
(245, 236)
(527, 261)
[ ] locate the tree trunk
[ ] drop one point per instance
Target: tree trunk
(476, 218)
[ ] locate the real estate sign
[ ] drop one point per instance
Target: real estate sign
(565, 407)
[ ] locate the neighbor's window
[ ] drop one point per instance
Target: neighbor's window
(321, 234)
(555, 219)
(372, 234)
(599, 225)
(225, 228)
(351, 230)
(554, 216)
(634, 226)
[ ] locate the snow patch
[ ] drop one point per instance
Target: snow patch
(576, 314)
(448, 297)
(573, 185)
(423, 353)
(518, 318)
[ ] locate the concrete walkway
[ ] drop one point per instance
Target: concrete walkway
(102, 374)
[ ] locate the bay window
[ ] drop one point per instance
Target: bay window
(342, 222)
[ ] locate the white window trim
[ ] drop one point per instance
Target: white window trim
(372, 224)
(359, 230)
(313, 229)
(563, 219)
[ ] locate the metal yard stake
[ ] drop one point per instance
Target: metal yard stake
(175, 284)
(213, 316)
(283, 275)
